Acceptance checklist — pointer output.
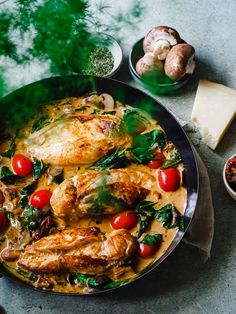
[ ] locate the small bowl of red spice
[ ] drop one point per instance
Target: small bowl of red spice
(229, 176)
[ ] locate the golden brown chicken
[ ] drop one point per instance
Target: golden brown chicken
(77, 139)
(83, 250)
(94, 193)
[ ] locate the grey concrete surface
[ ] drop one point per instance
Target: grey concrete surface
(182, 284)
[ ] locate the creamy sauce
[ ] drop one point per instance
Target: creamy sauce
(178, 198)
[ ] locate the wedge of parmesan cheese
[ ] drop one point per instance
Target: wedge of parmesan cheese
(213, 110)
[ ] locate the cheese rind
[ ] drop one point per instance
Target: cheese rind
(213, 111)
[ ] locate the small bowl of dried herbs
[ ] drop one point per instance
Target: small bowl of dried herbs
(105, 58)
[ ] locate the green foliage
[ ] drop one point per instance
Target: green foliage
(152, 239)
(113, 161)
(170, 217)
(11, 151)
(40, 123)
(26, 192)
(39, 167)
(32, 217)
(7, 176)
(87, 280)
(146, 214)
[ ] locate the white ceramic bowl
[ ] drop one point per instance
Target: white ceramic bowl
(231, 192)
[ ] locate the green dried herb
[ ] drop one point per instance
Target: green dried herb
(101, 62)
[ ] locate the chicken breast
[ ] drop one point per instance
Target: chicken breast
(77, 139)
(83, 250)
(94, 193)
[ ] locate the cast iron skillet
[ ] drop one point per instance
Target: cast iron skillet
(31, 96)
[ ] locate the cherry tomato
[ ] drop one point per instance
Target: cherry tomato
(22, 165)
(169, 179)
(147, 250)
(155, 164)
(127, 220)
(40, 198)
(3, 221)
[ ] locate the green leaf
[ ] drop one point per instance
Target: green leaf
(152, 239)
(39, 167)
(7, 176)
(9, 214)
(40, 123)
(26, 192)
(11, 151)
(32, 217)
(88, 281)
(113, 161)
(110, 112)
(114, 284)
(170, 217)
(145, 144)
(58, 179)
(146, 214)
(32, 277)
(2, 239)
(173, 162)
(133, 120)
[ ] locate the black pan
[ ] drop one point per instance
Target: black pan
(28, 98)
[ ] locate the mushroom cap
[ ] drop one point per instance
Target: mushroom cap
(148, 63)
(180, 61)
(160, 32)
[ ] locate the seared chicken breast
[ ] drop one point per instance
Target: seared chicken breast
(77, 139)
(83, 250)
(94, 193)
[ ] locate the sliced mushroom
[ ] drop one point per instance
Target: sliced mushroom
(108, 101)
(159, 41)
(54, 172)
(180, 61)
(148, 63)
(10, 254)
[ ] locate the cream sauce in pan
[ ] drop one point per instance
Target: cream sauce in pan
(12, 235)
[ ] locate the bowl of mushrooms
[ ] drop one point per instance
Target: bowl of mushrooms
(162, 60)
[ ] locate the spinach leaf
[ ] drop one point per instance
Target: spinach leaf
(170, 217)
(7, 176)
(39, 167)
(40, 123)
(58, 179)
(88, 281)
(173, 162)
(134, 120)
(113, 161)
(114, 284)
(32, 277)
(11, 151)
(146, 214)
(144, 145)
(152, 239)
(9, 214)
(112, 112)
(32, 217)
(25, 193)
(2, 239)
(96, 111)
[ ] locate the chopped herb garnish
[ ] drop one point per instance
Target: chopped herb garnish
(152, 239)
(170, 217)
(40, 123)
(113, 161)
(7, 176)
(39, 168)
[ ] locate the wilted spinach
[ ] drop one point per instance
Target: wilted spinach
(39, 167)
(40, 123)
(7, 176)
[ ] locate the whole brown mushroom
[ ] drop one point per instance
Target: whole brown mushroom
(148, 64)
(180, 61)
(159, 41)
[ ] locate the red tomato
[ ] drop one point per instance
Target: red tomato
(22, 165)
(147, 250)
(169, 179)
(155, 164)
(3, 221)
(40, 198)
(127, 220)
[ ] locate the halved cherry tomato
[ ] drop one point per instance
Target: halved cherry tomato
(169, 179)
(147, 250)
(155, 164)
(127, 220)
(22, 165)
(40, 198)
(3, 221)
